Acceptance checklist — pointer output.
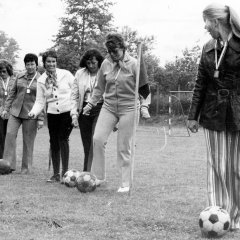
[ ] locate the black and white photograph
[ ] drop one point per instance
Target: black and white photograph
(119, 119)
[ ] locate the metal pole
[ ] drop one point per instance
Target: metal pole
(157, 106)
(135, 119)
(170, 114)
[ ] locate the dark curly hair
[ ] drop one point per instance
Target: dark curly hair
(31, 57)
(115, 40)
(5, 64)
(49, 53)
(88, 55)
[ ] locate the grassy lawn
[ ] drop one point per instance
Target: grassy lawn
(169, 194)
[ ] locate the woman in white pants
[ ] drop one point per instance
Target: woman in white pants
(116, 81)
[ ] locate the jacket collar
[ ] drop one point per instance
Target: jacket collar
(24, 74)
(234, 43)
(60, 73)
(120, 64)
(126, 57)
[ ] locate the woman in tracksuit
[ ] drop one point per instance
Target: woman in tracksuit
(116, 81)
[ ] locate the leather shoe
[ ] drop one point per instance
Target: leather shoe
(54, 178)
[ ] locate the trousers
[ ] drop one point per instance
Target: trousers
(87, 126)
(105, 124)
(223, 171)
(60, 128)
(3, 131)
(29, 131)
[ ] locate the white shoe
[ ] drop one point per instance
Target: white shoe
(123, 189)
(144, 112)
(99, 182)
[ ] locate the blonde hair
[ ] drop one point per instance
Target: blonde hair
(225, 15)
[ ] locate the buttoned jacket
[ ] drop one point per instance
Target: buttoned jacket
(216, 100)
(19, 102)
(57, 98)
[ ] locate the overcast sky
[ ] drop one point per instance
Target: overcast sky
(176, 24)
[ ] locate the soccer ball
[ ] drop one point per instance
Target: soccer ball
(69, 178)
(86, 182)
(214, 221)
(4, 167)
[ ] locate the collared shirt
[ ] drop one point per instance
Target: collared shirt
(19, 102)
(57, 98)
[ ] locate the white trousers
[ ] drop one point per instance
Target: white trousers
(105, 124)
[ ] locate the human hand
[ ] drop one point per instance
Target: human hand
(193, 125)
(87, 109)
(75, 121)
(31, 115)
(40, 124)
(4, 114)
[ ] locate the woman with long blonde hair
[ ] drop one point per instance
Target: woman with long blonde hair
(216, 106)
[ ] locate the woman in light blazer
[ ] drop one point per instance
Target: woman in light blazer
(85, 81)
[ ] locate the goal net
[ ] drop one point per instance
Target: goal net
(179, 104)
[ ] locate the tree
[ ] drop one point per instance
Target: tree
(183, 71)
(8, 48)
(85, 25)
(132, 39)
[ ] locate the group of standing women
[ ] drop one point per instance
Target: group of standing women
(100, 96)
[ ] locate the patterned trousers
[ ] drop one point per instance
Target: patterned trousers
(223, 171)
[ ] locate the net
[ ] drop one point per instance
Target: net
(179, 104)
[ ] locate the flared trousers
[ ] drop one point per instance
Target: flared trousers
(223, 171)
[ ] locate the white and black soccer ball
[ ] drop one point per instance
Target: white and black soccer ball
(70, 177)
(5, 167)
(86, 182)
(214, 221)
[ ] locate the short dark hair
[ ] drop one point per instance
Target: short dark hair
(114, 40)
(6, 64)
(88, 55)
(49, 53)
(31, 57)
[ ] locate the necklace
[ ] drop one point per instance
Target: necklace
(218, 62)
